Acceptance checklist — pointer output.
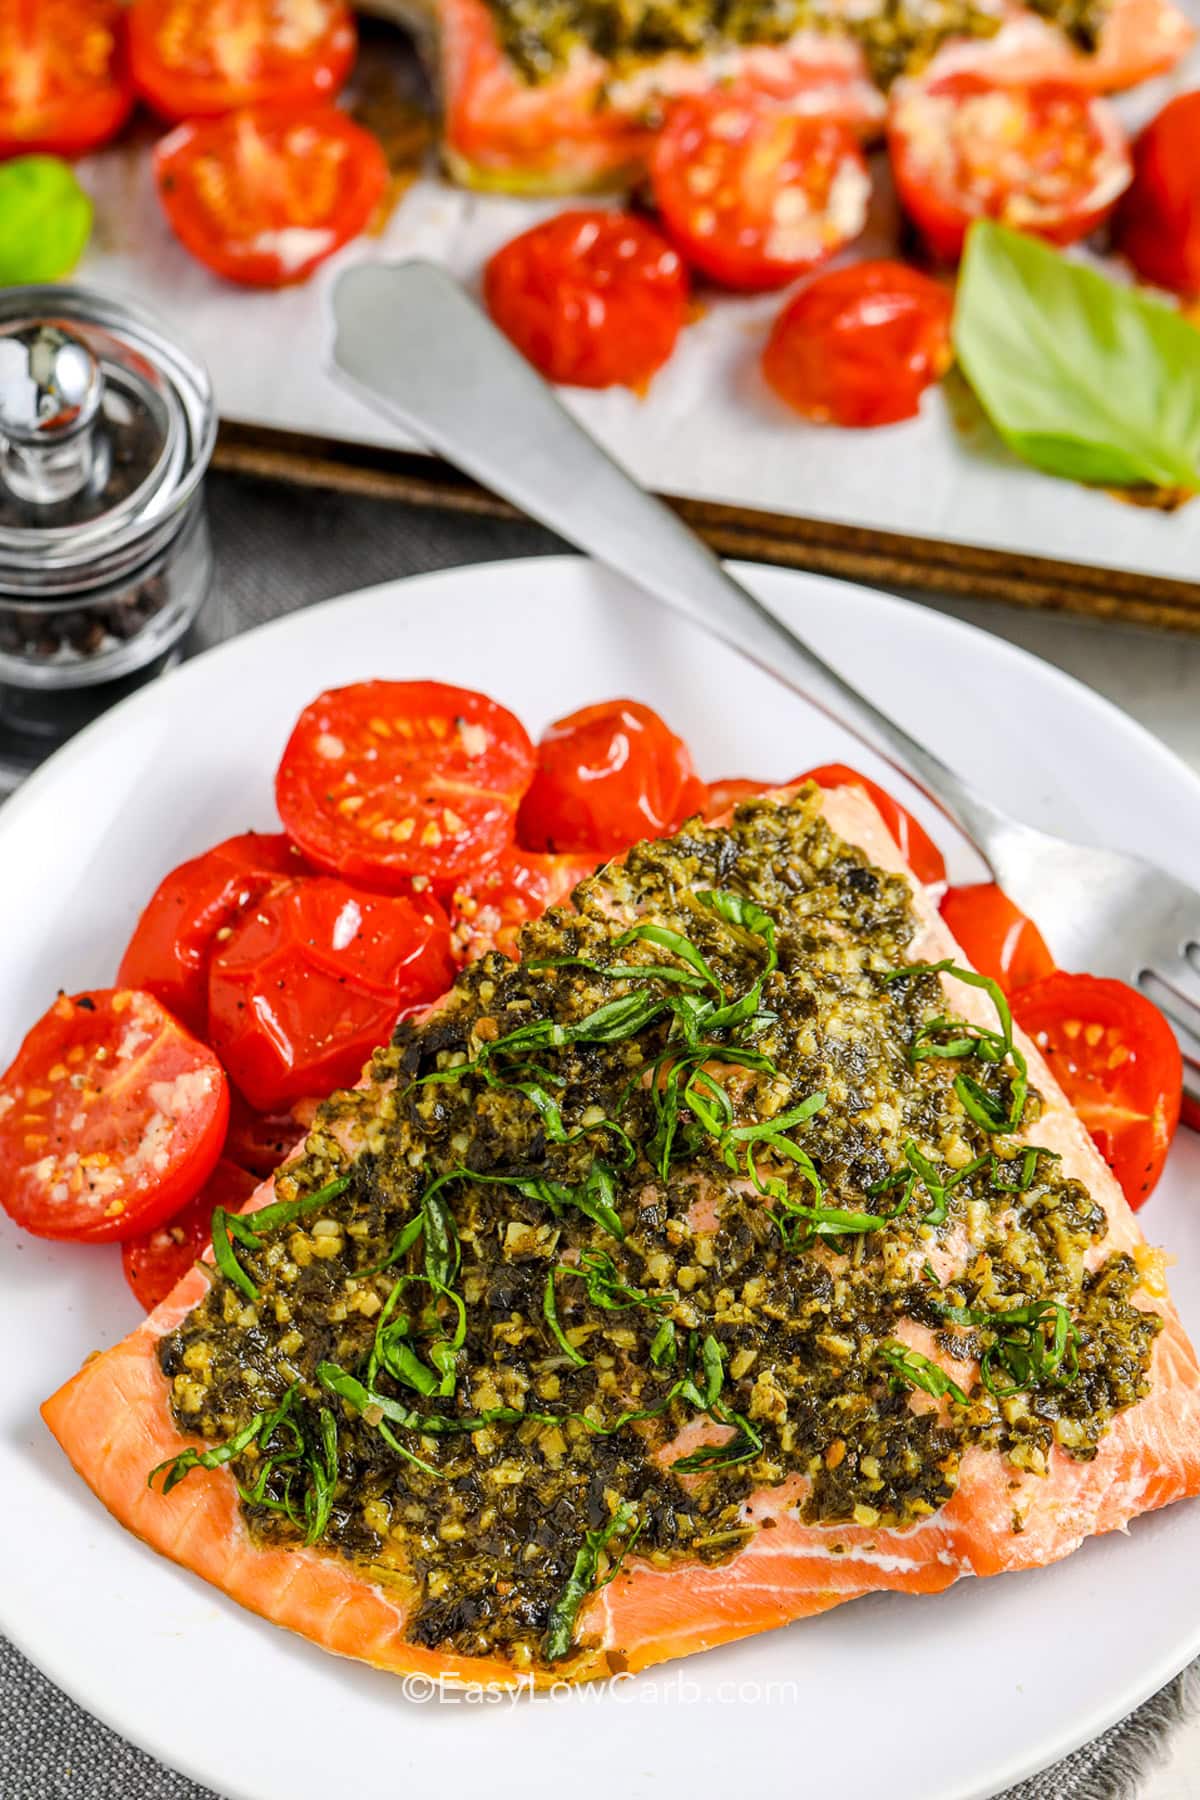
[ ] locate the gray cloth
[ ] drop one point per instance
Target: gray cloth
(276, 551)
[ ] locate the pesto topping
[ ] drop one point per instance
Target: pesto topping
(646, 1224)
(896, 35)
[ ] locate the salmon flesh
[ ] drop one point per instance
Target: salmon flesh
(726, 1258)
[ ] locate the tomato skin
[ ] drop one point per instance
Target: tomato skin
(1117, 1060)
(915, 844)
(607, 777)
(859, 346)
(155, 1262)
(1157, 223)
(180, 69)
(258, 1142)
(293, 188)
(111, 1117)
(592, 299)
(489, 910)
(314, 978)
(387, 782)
(752, 195)
(954, 161)
(999, 939)
(169, 951)
(65, 86)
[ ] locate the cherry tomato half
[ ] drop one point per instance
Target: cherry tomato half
(158, 1260)
(1119, 1065)
(111, 1117)
(314, 978)
(64, 78)
(169, 951)
(592, 299)
(998, 938)
(489, 909)
(607, 777)
(1157, 225)
(385, 781)
(262, 197)
(916, 846)
(198, 58)
(860, 345)
(752, 195)
(1042, 156)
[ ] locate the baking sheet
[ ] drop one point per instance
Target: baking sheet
(709, 429)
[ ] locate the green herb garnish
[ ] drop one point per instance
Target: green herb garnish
(1030, 1344)
(585, 1578)
(917, 1371)
(227, 1226)
(955, 1040)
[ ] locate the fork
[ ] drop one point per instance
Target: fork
(419, 350)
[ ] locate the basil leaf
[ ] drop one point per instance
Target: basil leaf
(45, 220)
(1079, 376)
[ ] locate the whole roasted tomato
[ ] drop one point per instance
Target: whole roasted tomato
(593, 299)
(860, 345)
(1157, 225)
(314, 978)
(608, 776)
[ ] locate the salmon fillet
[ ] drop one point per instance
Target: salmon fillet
(589, 124)
(114, 1420)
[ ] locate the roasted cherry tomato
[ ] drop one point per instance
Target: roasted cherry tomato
(111, 1117)
(860, 345)
(752, 195)
(607, 777)
(998, 938)
(1119, 1065)
(389, 780)
(196, 58)
(1158, 221)
(64, 77)
(1043, 156)
(916, 846)
(169, 951)
(155, 1262)
(259, 1141)
(722, 795)
(262, 197)
(489, 909)
(314, 978)
(593, 299)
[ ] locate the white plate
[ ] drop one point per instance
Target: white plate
(953, 1696)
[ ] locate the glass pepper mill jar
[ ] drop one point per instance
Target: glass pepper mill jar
(106, 431)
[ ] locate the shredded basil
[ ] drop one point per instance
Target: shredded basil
(917, 1371)
(585, 1578)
